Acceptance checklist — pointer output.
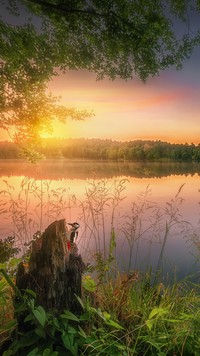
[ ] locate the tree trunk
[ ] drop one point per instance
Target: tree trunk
(54, 271)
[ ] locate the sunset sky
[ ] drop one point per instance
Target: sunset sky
(166, 107)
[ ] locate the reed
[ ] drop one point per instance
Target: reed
(138, 229)
(129, 312)
(32, 207)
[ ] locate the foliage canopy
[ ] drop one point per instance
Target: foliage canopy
(120, 38)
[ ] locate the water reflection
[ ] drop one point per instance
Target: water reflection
(65, 169)
(140, 201)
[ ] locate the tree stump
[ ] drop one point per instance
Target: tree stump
(55, 270)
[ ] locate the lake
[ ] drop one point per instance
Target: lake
(151, 210)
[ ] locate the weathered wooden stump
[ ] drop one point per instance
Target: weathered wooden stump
(55, 270)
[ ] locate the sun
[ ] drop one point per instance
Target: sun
(59, 130)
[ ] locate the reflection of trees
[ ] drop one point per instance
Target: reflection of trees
(8, 150)
(61, 169)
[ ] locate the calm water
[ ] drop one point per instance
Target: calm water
(153, 208)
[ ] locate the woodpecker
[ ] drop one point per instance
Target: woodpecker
(73, 233)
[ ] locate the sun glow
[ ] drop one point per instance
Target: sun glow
(165, 108)
(158, 110)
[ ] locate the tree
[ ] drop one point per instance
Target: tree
(113, 38)
(120, 38)
(31, 111)
(25, 105)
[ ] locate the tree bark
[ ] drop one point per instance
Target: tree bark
(55, 270)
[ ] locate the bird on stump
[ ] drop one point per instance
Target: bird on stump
(72, 232)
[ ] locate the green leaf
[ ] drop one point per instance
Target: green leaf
(114, 324)
(157, 311)
(8, 326)
(33, 352)
(28, 340)
(48, 352)
(56, 323)
(172, 320)
(80, 301)
(13, 262)
(72, 330)
(149, 324)
(29, 317)
(31, 303)
(112, 242)
(8, 353)
(40, 315)
(40, 332)
(68, 341)
(85, 316)
(89, 283)
(106, 316)
(156, 345)
(82, 332)
(10, 282)
(69, 315)
(3, 265)
(184, 316)
(31, 292)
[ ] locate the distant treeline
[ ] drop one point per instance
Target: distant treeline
(98, 149)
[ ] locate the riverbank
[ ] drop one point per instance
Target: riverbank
(125, 315)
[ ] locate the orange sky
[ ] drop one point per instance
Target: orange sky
(166, 107)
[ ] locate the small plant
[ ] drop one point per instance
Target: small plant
(8, 249)
(156, 320)
(130, 317)
(8, 263)
(38, 332)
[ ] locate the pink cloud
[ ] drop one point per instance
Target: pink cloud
(165, 98)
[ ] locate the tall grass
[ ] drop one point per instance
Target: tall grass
(155, 323)
(139, 230)
(100, 212)
(131, 311)
(33, 207)
(143, 218)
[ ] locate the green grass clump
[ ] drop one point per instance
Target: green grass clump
(121, 316)
(156, 320)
